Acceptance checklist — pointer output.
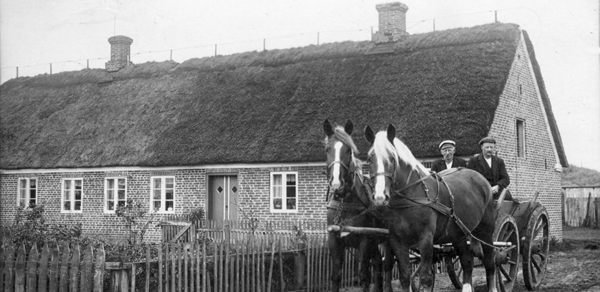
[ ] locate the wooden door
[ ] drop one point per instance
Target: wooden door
(222, 197)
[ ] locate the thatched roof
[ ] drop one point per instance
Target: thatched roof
(260, 107)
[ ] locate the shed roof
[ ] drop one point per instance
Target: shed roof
(261, 107)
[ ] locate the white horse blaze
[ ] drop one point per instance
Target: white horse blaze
(380, 184)
(335, 182)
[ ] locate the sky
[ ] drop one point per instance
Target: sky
(37, 36)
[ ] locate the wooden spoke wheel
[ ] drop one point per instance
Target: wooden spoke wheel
(507, 256)
(454, 270)
(536, 247)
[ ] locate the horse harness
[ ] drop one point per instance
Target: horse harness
(434, 202)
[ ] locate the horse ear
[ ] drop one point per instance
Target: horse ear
(391, 133)
(349, 127)
(327, 128)
(369, 135)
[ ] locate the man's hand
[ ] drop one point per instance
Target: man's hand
(495, 189)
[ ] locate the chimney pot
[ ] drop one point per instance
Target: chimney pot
(392, 22)
(120, 53)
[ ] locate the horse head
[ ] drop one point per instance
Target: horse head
(390, 163)
(340, 150)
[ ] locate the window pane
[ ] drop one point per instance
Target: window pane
(121, 194)
(291, 192)
(23, 183)
(22, 202)
(156, 205)
(78, 184)
(78, 206)
(277, 192)
(157, 195)
(22, 193)
(77, 195)
(33, 183)
(277, 204)
(121, 183)
(67, 184)
(277, 180)
(169, 183)
(110, 195)
(31, 203)
(291, 204)
(111, 184)
(291, 179)
(67, 206)
(169, 194)
(32, 194)
(157, 183)
(121, 203)
(66, 195)
(110, 206)
(169, 205)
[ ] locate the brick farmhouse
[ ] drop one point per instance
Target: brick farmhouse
(241, 135)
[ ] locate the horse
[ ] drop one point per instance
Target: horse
(349, 204)
(424, 209)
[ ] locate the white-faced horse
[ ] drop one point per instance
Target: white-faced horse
(425, 209)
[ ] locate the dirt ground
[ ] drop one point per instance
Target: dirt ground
(573, 266)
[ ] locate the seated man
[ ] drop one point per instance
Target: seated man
(447, 148)
(491, 167)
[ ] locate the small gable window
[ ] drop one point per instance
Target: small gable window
(162, 198)
(27, 192)
(72, 195)
(520, 138)
(284, 192)
(115, 193)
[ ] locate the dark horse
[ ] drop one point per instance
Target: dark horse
(425, 209)
(348, 205)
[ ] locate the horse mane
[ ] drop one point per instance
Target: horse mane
(383, 148)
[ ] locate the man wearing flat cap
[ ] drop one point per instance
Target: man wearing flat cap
(491, 167)
(447, 148)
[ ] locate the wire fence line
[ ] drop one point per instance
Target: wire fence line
(228, 48)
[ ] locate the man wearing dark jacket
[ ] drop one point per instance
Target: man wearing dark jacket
(447, 148)
(491, 167)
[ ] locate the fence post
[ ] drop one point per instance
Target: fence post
(597, 209)
(300, 264)
(119, 276)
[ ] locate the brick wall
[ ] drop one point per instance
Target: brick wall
(536, 170)
(190, 193)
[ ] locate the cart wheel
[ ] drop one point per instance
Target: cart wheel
(507, 257)
(535, 248)
(454, 270)
(415, 278)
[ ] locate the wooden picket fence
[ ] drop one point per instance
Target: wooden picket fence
(581, 206)
(54, 269)
(250, 265)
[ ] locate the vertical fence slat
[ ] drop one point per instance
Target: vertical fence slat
(87, 268)
(32, 262)
(2, 259)
(54, 270)
(226, 267)
(147, 280)
(75, 259)
(281, 282)
(42, 284)
(160, 267)
(132, 276)
(9, 271)
(64, 268)
(20, 270)
(99, 269)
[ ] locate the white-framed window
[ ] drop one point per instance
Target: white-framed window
(72, 195)
(284, 192)
(162, 198)
(115, 193)
(27, 192)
